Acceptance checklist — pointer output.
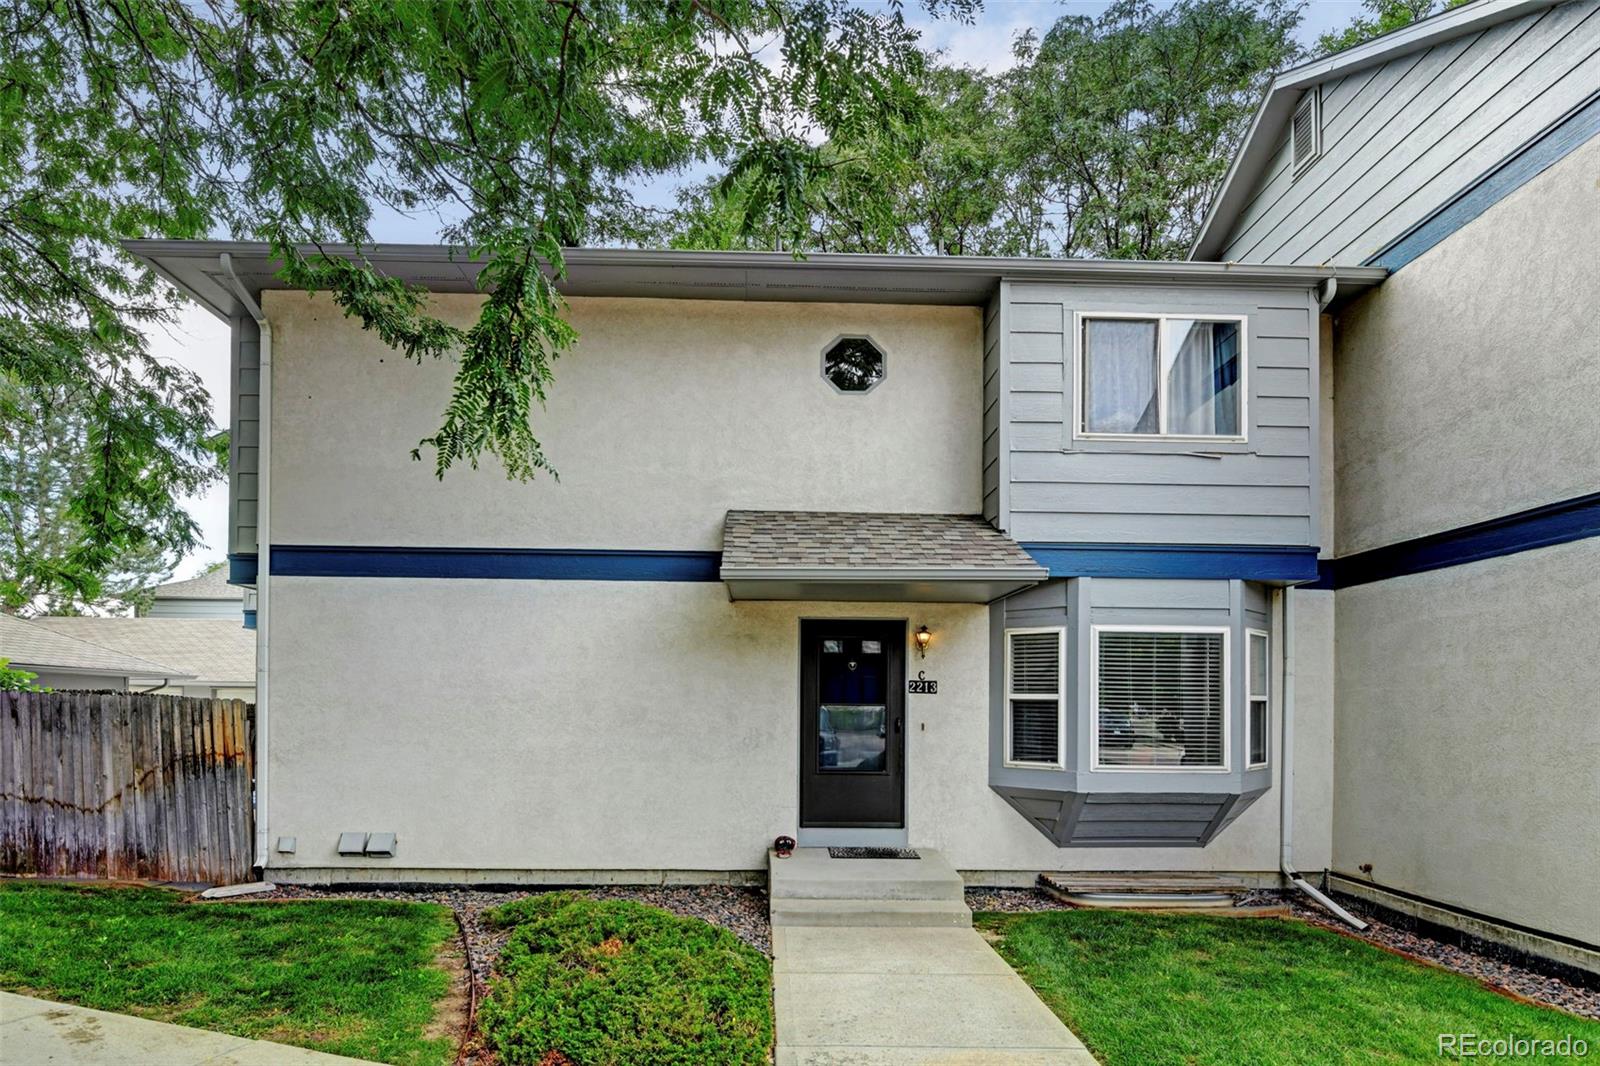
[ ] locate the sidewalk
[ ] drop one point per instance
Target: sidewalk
(37, 1032)
(896, 997)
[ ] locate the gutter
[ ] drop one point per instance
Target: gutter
(263, 553)
(1286, 769)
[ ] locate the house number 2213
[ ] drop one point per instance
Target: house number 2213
(921, 685)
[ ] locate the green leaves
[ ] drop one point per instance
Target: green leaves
(522, 126)
(1386, 15)
(1108, 138)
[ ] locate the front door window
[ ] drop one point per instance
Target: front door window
(852, 715)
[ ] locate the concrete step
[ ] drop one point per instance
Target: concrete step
(902, 913)
(811, 874)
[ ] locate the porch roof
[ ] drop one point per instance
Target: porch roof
(834, 555)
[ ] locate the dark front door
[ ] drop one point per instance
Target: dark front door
(852, 729)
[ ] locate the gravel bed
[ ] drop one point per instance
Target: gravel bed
(741, 911)
(1500, 974)
(1013, 900)
(1505, 976)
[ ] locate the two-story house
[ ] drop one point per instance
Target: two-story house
(992, 556)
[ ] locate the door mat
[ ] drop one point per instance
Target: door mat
(872, 853)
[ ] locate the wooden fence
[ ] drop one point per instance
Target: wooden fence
(126, 785)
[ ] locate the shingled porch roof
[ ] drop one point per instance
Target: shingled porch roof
(835, 555)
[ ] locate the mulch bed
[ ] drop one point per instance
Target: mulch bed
(1503, 976)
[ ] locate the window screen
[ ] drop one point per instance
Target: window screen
(1033, 696)
(1161, 699)
(1258, 699)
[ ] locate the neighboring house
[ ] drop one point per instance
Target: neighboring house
(216, 657)
(1086, 487)
(206, 596)
(66, 662)
(1462, 431)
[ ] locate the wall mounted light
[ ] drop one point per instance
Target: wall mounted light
(923, 638)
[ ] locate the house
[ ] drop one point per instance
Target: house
(1051, 565)
(1461, 449)
(212, 658)
(61, 661)
(207, 595)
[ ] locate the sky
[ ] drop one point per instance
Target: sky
(200, 342)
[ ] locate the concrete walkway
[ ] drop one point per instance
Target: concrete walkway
(36, 1032)
(875, 996)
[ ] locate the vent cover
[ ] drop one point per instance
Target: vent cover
(1305, 134)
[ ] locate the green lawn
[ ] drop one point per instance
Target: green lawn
(615, 983)
(350, 977)
(1190, 990)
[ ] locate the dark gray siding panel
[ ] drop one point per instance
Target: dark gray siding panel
(1064, 490)
(1135, 819)
(991, 411)
(1401, 139)
(245, 433)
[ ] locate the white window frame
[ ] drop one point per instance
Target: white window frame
(1094, 700)
(1080, 321)
(1311, 101)
(1251, 696)
(1061, 698)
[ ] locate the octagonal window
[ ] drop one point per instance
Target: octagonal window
(853, 364)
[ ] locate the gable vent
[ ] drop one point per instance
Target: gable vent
(1305, 134)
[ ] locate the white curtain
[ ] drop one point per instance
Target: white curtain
(1119, 376)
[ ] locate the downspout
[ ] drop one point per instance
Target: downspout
(1286, 769)
(263, 551)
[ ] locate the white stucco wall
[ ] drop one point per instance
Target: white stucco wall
(1468, 763)
(667, 414)
(1467, 734)
(1468, 384)
(530, 725)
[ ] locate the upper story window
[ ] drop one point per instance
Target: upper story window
(1257, 700)
(853, 364)
(1160, 697)
(1305, 132)
(1035, 695)
(1161, 376)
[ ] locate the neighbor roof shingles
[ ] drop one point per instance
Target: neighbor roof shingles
(211, 585)
(215, 651)
(39, 646)
(763, 540)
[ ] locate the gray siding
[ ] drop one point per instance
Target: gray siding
(245, 435)
(1400, 139)
(1056, 489)
(991, 411)
(1080, 807)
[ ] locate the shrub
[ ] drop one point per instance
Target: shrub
(615, 983)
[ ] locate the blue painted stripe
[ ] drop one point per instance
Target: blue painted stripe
(1537, 527)
(1248, 562)
(1571, 131)
(526, 564)
(242, 568)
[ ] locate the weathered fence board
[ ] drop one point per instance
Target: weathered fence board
(126, 785)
